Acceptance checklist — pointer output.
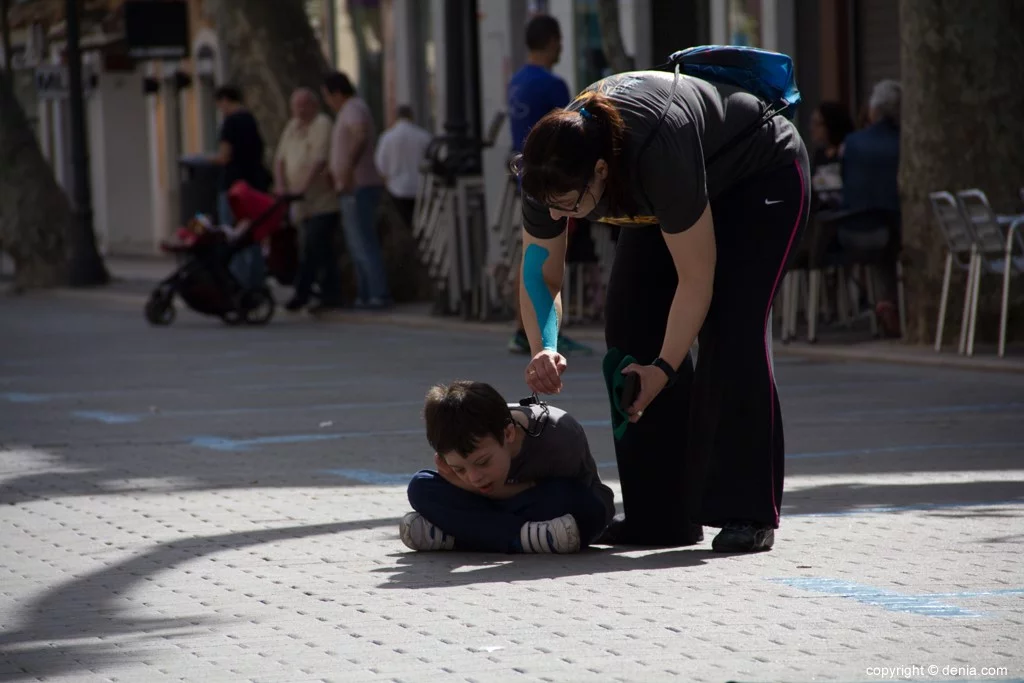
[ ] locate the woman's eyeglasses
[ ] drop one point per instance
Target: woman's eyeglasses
(517, 166)
(576, 206)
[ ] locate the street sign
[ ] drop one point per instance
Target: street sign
(156, 29)
(51, 81)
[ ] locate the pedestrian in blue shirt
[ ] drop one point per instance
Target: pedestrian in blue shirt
(534, 91)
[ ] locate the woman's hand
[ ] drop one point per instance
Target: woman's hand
(652, 381)
(544, 373)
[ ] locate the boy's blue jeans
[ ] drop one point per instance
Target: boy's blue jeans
(486, 525)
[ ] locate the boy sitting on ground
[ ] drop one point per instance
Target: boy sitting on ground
(510, 478)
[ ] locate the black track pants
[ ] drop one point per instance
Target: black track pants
(710, 449)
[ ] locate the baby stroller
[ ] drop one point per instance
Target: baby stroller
(204, 279)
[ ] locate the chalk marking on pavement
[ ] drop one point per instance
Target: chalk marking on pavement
(19, 397)
(919, 507)
(222, 444)
(24, 397)
(372, 477)
(910, 448)
(105, 417)
(124, 418)
(924, 604)
(118, 418)
(974, 408)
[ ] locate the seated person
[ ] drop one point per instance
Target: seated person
(510, 478)
(870, 165)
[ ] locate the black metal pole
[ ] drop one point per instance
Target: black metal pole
(455, 59)
(472, 71)
(86, 266)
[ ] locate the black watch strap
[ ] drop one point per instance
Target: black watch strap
(669, 371)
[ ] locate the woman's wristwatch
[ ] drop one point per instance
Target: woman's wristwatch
(669, 371)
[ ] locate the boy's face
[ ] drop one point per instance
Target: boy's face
(486, 468)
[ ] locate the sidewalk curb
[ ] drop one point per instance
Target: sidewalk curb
(922, 356)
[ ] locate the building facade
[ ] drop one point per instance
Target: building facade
(144, 118)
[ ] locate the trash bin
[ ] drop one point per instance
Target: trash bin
(200, 178)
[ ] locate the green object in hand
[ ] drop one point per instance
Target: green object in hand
(612, 366)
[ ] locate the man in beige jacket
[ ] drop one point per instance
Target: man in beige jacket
(300, 167)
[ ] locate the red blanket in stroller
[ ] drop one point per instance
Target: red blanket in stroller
(266, 212)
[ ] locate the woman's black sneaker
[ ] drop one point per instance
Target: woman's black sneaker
(743, 537)
(619, 533)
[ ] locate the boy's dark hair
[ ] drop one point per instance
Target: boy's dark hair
(541, 31)
(227, 92)
(338, 82)
(459, 414)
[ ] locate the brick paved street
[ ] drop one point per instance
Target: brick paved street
(202, 503)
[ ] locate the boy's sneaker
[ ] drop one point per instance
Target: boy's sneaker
(559, 535)
(419, 534)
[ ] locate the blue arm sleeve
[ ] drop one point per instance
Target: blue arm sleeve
(540, 295)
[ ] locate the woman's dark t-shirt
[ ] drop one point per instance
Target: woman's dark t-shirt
(669, 182)
(241, 131)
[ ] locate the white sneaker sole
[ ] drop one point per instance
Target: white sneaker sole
(419, 534)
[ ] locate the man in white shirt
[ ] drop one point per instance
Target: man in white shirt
(300, 167)
(398, 157)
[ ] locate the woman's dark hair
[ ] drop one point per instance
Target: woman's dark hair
(460, 414)
(837, 121)
(561, 150)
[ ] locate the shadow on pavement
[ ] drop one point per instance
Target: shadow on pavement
(451, 568)
(95, 606)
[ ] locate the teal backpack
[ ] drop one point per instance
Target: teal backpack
(768, 75)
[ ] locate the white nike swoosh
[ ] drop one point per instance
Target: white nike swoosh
(777, 201)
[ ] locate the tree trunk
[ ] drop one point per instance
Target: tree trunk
(5, 34)
(270, 50)
(36, 214)
(611, 36)
(962, 127)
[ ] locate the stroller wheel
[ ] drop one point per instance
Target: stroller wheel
(259, 306)
(232, 317)
(159, 309)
